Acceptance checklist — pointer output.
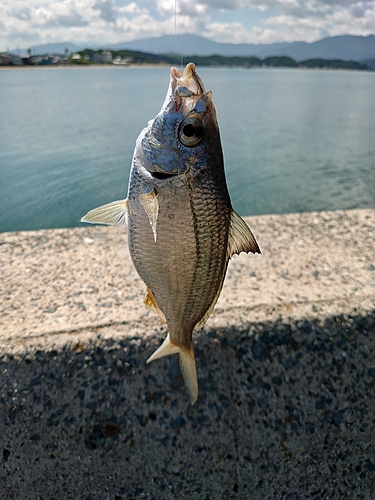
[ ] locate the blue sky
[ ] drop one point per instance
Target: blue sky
(25, 23)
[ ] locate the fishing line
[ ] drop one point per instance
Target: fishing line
(175, 32)
(182, 57)
(175, 18)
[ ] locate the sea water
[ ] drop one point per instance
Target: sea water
(293, 140)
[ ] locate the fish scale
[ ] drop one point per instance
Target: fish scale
(182, 229)
(160, 264)
(211, 235)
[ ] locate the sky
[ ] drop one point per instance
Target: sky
(24, 23)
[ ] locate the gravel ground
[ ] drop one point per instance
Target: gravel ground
(286, 369)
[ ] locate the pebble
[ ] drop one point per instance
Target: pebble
(178, 422)
(337, 417)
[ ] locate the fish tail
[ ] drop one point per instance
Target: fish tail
(189, 372)
(187, 364)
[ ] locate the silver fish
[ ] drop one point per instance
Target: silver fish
(182, 229)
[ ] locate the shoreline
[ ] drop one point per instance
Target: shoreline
(165, 65)
(84, 66)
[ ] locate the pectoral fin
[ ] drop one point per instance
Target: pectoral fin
(240, 239)
(150, 204)
(113, 214)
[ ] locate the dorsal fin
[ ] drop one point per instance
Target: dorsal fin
(113, 214)
(240, 238)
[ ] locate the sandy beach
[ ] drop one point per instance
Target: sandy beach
(286, 370)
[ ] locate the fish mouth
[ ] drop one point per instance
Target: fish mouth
(189, 80)
(162, 176)
(187, 113)
(186, 88)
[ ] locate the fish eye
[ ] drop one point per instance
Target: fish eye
(191, 132)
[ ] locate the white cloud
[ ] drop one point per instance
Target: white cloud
(131, 8)
(182, 7)
(106, 9)
(110, 21)
(336, 21)
(73, 18)
(228, 33)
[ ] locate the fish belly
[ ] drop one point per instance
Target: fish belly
(185, 266)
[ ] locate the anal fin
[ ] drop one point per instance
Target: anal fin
(151, 304)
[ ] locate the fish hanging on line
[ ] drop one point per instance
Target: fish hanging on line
(182, 229)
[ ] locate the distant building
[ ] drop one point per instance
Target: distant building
(26, 59)
(4, 59)
(15, 60)
(49, 59)
(104, 57)
(122, 61)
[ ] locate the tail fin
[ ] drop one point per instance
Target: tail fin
(189, 372)
(187, 365)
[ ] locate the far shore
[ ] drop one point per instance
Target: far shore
(163, 65)
(84, 66)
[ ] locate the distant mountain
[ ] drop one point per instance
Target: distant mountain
(49, 48)
(369, 62)
(346, 47)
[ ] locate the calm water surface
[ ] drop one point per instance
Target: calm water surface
(293, 140)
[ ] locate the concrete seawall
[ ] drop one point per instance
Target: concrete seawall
(286, 369)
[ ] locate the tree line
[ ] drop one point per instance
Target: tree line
(134, 57)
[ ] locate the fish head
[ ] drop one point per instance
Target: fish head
(185, 132)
